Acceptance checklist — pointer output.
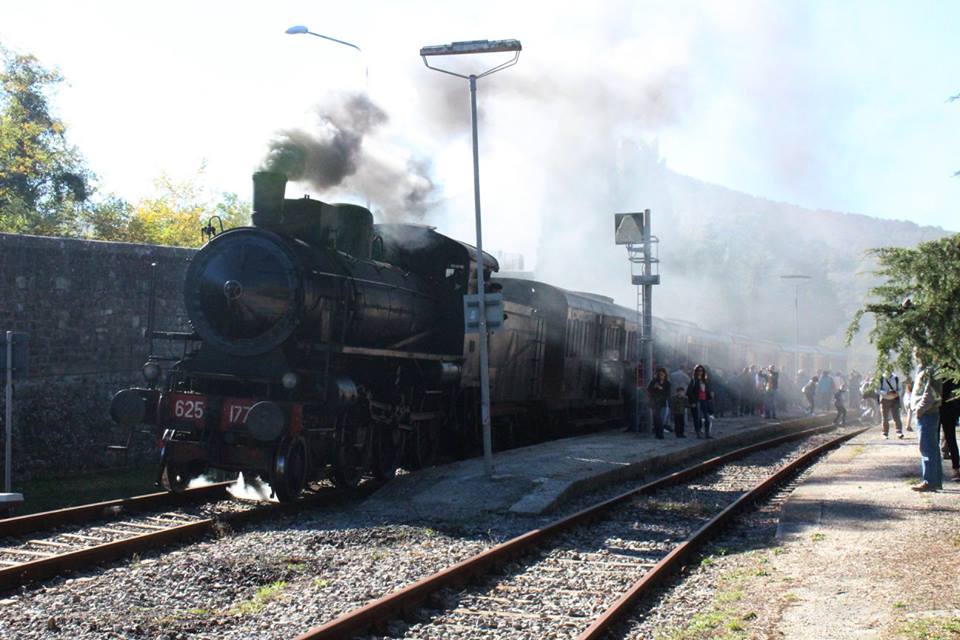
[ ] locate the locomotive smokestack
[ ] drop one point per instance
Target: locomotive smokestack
(269, 188)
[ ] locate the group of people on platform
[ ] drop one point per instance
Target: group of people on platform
(701, 395)
(920, 401)
(672, 395)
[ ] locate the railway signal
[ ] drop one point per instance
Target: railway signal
(633, 230)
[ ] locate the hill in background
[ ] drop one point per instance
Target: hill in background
(722, 252)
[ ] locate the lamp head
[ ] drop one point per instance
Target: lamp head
(472, 46)
(297, 29)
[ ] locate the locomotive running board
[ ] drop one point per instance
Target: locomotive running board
(386, 353)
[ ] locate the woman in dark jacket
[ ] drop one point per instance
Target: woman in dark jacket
(659, 390)
(699, 394)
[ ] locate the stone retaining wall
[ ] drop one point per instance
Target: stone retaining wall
(84, 304)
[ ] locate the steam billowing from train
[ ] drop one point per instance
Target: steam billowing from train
(339, 154)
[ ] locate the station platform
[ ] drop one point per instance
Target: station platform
(865, 556)
(536, 479)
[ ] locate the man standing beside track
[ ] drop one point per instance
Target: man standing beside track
(889, 389)
(925, 402)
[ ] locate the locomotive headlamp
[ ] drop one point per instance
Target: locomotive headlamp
(290, 380)
(151, 372)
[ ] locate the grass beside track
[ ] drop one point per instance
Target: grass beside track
(49, 494)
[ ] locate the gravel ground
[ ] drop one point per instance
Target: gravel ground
(725, 592)
(885, 578)
(276, 579)
(558, 592)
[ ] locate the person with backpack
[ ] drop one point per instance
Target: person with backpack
(889, 390)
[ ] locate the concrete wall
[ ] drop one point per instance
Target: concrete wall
(84, 304)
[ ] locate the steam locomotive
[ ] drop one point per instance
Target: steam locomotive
(325, 345)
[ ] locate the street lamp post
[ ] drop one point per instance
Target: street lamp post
(797, 278)
(298, 29)
(462, 48)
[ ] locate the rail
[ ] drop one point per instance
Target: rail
(391, 606)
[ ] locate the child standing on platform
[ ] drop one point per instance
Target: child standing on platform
(678, 407)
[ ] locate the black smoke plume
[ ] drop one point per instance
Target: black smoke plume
(332, 156)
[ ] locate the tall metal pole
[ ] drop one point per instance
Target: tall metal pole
(647, 302)
(639, 422)
(484, 368)
(460, 48)
(797, 279)
(796, 307)
(8, 419)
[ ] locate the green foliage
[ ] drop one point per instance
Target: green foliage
(43, 178)
(915, 305)
(264, 594)
(45, 186)
(174, 215)
(946, 628)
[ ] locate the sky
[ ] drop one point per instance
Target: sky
(832, 105)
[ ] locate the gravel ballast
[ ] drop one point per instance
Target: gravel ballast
(276, 579)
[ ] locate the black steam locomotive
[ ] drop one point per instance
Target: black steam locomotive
(325, 345)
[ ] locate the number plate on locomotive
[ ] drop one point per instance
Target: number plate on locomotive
(187, 407)
(234, 412)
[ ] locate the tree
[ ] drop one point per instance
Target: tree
(42, 177)
(174, 216)
(915, 305)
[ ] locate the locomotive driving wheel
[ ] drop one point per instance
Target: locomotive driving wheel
(348, 464)
(421, 445)
(290, 466)
(175, 477)
(387, 452)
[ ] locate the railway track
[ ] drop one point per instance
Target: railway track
(562, 580)
(43, 545)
